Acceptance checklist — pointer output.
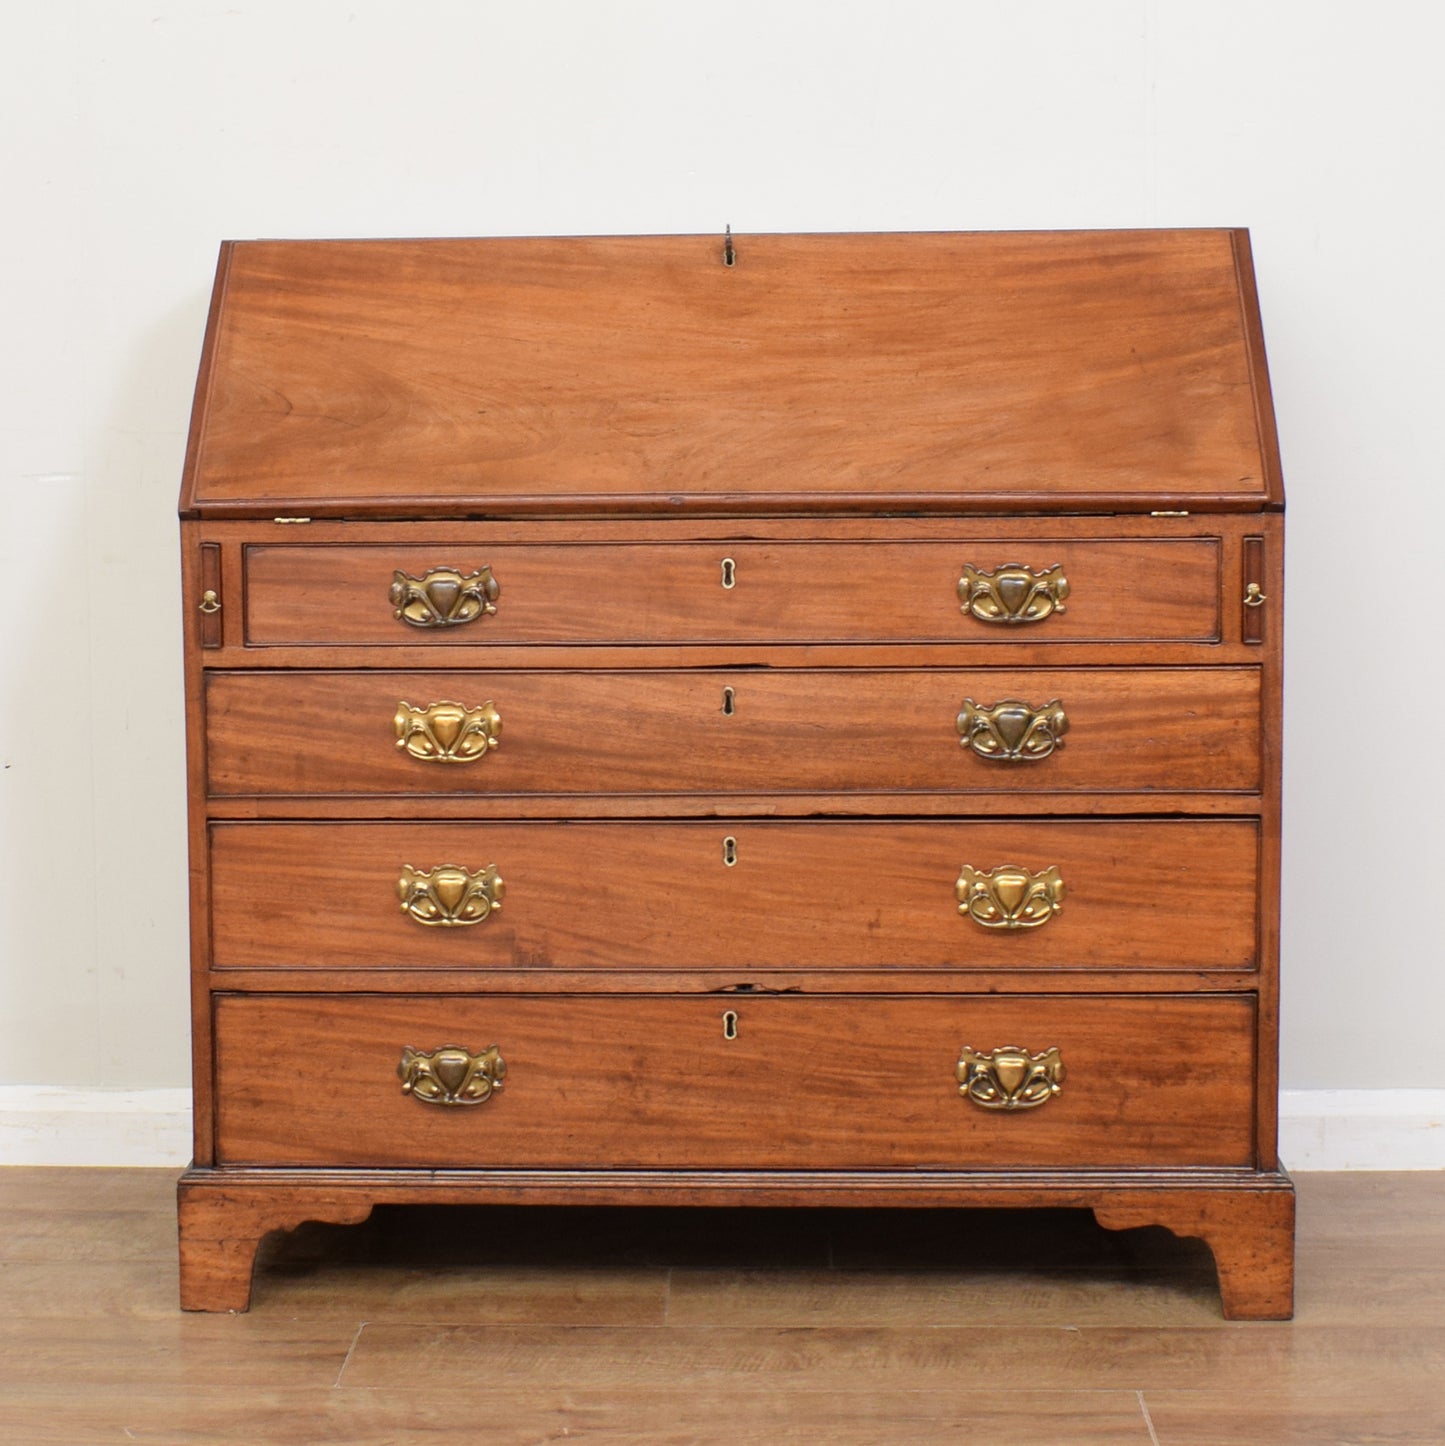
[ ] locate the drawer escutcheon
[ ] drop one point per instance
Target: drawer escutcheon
(447, 732)
(1012, 732)
(1010, 897)
(451, 1075)
(1010, 1078)
(448, 896)
(1012, 593)
(444, 597)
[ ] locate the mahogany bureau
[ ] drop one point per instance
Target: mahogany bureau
(791, 720)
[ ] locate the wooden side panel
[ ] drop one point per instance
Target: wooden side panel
(806, 1083)
(827, 895)
(738, 731)
(1120, 590)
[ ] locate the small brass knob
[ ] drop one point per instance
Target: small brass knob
(1254, 596)
(209, 602)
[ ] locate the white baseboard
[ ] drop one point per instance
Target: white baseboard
(1318, 1129)
(1362, 1129)
(43, 1125)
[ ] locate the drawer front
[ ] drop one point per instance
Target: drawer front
(742, 731)
(803, 1083)
(1117, 590)
(1152, 894)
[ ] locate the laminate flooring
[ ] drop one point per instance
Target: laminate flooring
(834, 1328)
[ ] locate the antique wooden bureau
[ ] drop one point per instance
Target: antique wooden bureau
(786, 720)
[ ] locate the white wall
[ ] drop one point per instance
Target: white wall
(136, 136)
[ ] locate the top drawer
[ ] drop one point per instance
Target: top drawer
(1096, 590)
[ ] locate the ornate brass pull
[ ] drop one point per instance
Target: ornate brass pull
(447, 732)
(209, 602)
(1255, 596)
(451, 1075)
(1010, 1078)
(444, 597)
(1010, 897)
(449, 896)
(1013, 593)
(1013, 732)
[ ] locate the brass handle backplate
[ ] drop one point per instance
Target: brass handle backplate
(1010, 897)
(1012, 732)
(444, 597)
(447, 732)
(451, 1075)
(1010, 1078)
(1013, 593)
(449, 896)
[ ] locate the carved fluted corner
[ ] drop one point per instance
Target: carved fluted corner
(221, 1228)
(1250, 1233)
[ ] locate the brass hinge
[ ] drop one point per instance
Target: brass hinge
(1152, 514)
(284, 520)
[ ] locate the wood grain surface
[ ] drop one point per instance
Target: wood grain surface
(1141, 894)
(655, 593)
(728, 508)
(1044, 369)
(807, 1083)
(856, 1327)
(733, 731)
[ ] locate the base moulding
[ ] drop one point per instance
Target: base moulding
(1245, 1217)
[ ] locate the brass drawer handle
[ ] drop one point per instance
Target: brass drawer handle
(447, 732)
(444, 597)
(1010, 1078)
(448, 896)
(1013, 593)
(210, 603)
(451, 1075)
(1010, 897)
(1013, 732)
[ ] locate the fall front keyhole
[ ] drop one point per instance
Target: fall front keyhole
(730, 1024)
(730, 851)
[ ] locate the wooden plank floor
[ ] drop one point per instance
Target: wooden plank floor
(827, 1328)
